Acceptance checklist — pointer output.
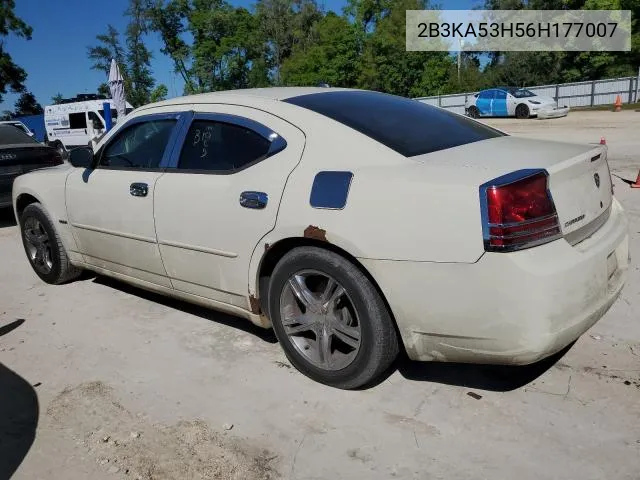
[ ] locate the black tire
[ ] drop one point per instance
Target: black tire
(522, 111)
(473, 112)
(61, 270)
(378, 346)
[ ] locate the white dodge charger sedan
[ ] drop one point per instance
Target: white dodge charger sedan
(355, 223)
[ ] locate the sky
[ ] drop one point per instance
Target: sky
(55, 59)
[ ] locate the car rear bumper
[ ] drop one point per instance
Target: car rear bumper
(508, 308)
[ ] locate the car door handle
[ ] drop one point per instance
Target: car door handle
(255, 200)
(139, 189)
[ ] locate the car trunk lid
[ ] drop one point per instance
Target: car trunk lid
(579, 178)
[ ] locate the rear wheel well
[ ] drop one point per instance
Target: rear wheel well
(22, 202)
(282, 247)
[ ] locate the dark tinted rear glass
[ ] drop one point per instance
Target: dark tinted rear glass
(407, 126)
(10, 135)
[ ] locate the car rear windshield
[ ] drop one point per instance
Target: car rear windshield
(407, 126)
(10, 135)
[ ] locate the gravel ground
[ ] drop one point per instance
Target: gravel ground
(104, 381)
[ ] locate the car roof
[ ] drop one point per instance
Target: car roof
(271, 93)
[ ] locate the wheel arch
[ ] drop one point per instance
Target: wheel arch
(46, 187)
(22, 201)
(275, 252)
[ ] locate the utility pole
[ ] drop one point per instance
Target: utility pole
(461, 42)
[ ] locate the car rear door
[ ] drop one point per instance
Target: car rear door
(221, 196)
(111, 207)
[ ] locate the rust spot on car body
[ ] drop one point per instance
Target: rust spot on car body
(254, 303)
(315, 233)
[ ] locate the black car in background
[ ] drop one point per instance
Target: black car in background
(20, 153)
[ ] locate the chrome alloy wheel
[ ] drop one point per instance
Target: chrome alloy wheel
(320, 320)
(38, 245)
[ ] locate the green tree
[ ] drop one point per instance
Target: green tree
(138, 56)
(108, 47)
(134, 60)
(331, 57)
(27, 105)
(365, 14)
(225, 45)
(167, 19)
(531, 68)
(225, 49)
(103, 90)
(388, 67)
(159, 93)
(285, 24)
(57, 99)
(12, 76)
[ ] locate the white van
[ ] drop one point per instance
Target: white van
(78, 121)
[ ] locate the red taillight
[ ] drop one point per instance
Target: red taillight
(520, 213)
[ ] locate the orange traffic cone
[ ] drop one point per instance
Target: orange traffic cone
(618, 104)
(636, 184)
(603, 141)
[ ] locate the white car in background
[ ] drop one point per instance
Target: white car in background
(355, 223)
(512, 102)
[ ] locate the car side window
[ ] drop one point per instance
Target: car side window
(486, 95)
(221, 147)
(501, 95)
(140, 145)
(77, 120)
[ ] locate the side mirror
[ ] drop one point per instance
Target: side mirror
(81, 157)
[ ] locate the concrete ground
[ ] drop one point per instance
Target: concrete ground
(104, 381)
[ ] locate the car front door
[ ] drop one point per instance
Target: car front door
(485, 99)
(222, 196)
(110, 207)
